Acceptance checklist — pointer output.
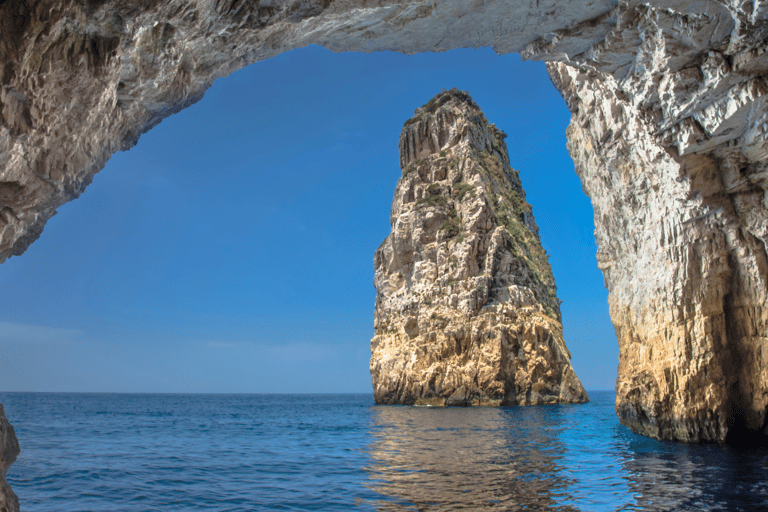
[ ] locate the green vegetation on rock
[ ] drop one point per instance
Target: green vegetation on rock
(452, 226)
(433, 197)
(460, 190)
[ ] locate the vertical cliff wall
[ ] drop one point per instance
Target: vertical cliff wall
(670, 145)
(466, 304)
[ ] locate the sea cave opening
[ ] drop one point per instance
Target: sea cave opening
(231, 250)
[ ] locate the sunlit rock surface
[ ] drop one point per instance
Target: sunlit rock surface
(668, 135)
(466, 304)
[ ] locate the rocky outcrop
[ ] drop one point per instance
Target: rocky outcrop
(466, 305)
(9, 450)
(668, 134)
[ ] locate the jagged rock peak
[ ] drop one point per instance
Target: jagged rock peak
(466, 306)
(432, 122)
(441, 99)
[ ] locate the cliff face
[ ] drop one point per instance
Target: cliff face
(466, 309)
(668, 134)
(9, 450)
(670, 145)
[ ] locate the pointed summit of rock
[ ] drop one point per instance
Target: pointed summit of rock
(466, 306)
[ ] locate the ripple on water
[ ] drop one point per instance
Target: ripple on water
(340, 452)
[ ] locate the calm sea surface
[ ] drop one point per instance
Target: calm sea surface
(134, 452)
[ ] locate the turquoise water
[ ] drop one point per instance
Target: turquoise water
(135, 452)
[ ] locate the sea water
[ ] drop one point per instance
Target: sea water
(158, 452)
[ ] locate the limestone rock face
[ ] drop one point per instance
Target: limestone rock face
(466, 309)
(80, 80)
(9, 450)
(668, 134)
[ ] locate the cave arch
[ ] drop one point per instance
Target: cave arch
(240, 215)
(668, 136)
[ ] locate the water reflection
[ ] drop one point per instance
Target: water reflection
(610, 468)
(676, 476)
(551, 457)
(467, 459)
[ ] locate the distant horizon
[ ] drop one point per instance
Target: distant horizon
(231, 251)
(277, 393)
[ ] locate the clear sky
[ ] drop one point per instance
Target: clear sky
(232, 249)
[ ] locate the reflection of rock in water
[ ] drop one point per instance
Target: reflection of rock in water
(490, 459)
(704, 478)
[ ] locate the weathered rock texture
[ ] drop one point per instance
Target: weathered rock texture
(9, 450)
(82, 79)
(668, 135)
(466, 305)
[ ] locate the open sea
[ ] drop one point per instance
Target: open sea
(158, 452)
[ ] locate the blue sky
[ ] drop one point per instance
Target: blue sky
(232, 249)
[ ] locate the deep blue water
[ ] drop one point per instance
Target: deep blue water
(137, 452)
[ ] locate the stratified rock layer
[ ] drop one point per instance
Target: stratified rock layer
(668, 134)
(9, 450)
(466, 305)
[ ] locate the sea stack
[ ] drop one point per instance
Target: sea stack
(466, 306)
